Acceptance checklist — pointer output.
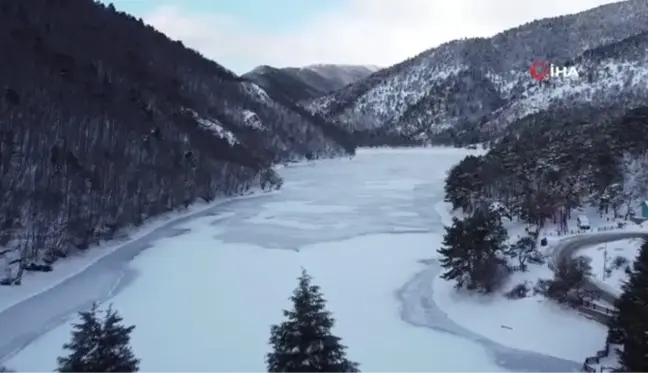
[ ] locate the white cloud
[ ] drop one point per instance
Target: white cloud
(376, 32)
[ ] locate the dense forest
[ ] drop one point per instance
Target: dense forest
(557, 162)
(105, 122)
(548, 165)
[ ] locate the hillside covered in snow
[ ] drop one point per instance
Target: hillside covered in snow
(106, 122)
(306, 83)
(472, 90)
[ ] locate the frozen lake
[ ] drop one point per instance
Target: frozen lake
(204, 291)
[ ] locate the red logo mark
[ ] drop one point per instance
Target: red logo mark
(540, 70)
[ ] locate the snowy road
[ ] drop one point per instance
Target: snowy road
(205, 292)
(570, 247)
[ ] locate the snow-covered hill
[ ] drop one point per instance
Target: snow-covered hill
(603, 81)
(485, 84)
(337, 76)
(110, 116)
(309, 82)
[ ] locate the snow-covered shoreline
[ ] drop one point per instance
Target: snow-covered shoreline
(532, 323)
(370, 222)
(35, 283)
(419, 297)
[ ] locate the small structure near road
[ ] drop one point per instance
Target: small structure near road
(644, 210)
(641, 217)
(583, 222)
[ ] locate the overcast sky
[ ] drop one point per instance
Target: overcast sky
(242, 34)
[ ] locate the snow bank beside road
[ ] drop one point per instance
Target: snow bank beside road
(604, 256)
(532, 323)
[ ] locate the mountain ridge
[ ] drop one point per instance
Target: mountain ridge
(380, 102)
(107, 122)
(304, 83)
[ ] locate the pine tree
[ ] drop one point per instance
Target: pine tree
(462, 185)
(524, 250)
(471, 250)
(456, 255)
(629, 327)
(304, 343)
(99, 345)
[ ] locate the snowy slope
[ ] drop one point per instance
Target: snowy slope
(485, 83)
(306, 83)
(371, 218)
(338, 76)
(601, 83)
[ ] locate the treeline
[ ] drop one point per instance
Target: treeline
(557, 162)
(476, 256)
(629, 327)
(549, 165)
(304, 342)
(380, 137)
(105, 122)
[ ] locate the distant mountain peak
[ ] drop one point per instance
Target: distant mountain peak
(308, 82)
(261, 69)
(317, 66)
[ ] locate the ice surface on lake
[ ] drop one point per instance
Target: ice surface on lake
(204, 293)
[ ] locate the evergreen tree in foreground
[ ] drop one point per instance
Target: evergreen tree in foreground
(629, 327)
(472, 251)
(304, 342)
(99, 344)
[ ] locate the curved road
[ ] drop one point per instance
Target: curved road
(569, 247)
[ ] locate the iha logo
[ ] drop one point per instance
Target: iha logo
(543, 70)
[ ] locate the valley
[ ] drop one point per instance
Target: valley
(213, 290)
(455, 211)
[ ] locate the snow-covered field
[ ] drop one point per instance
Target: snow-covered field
(204, 297)
(511, 322)
(606, 265)
(527, 323)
